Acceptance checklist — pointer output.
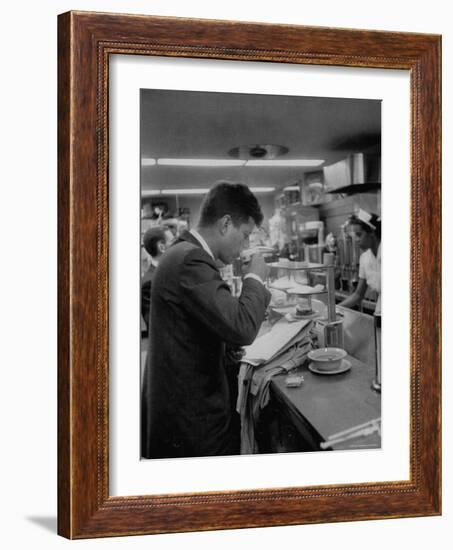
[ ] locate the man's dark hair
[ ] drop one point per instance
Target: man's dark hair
(234, 199)
(152, 238)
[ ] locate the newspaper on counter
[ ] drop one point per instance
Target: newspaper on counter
(276, 341)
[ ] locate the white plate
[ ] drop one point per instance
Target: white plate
(289, 314)
(305, 290)
(345, 366)
(283, 309)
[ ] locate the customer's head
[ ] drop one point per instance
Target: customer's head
(156, 240)
(230, 212)
(367, 229)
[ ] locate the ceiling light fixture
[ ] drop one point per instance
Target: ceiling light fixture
(258, 151)
(200, 162)
(286, 163)
(262, 189)
(291, 188)
(196, 191)
(201, 191)
(212, 163)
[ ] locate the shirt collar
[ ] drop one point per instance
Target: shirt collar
(154, 262)
(203, 243)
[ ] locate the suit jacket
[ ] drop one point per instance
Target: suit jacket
(186, 401)
(147, 281)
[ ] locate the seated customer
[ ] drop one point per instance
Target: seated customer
(155, 241)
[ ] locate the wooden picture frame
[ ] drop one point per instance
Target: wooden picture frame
(85, 41)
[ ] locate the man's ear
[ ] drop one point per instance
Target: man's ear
(224, 223)
(161, 246)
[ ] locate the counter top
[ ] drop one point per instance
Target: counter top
(333, 403)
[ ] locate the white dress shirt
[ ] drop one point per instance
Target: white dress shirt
(203, 243)
(370, 270)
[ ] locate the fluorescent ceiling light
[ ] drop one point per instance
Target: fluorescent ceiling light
(291, 188)
(262, 189)
(232, 162)
(184, 191)
(283, 163)
(200, 162)
(197, 191)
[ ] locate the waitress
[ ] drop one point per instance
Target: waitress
(367, 229)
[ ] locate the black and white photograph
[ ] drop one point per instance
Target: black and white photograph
(260, 251)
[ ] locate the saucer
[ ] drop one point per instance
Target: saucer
(345, 366)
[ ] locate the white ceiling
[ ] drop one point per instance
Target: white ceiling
(179, 124)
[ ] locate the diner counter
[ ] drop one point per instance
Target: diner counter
(327, 404)
(330, 404)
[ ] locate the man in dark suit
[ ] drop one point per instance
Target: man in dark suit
(187, 408)
(155, 241)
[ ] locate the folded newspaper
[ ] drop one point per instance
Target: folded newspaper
(281, 337)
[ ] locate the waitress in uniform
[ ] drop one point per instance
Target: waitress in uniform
(367, 230)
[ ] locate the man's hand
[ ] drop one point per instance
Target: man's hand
(234, 355)
(258, 266)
